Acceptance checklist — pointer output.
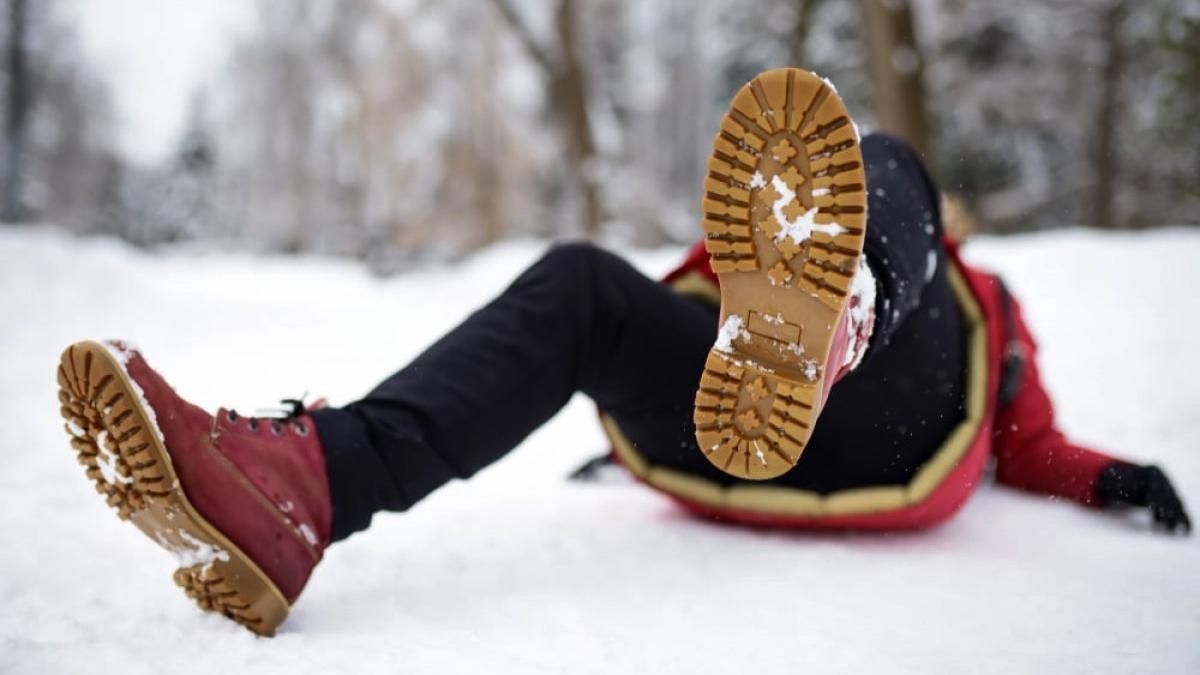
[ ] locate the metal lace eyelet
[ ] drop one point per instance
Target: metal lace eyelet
(301, 428)
(231, 415)
(253, 424)
(276, 428)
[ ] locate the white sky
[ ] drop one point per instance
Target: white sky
(154, 53)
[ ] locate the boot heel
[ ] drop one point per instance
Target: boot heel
(750, 420)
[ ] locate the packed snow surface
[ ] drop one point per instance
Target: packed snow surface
(520, 571)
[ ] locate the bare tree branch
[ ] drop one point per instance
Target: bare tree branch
(536, 51)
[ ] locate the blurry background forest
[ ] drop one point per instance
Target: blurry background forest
(398, 129)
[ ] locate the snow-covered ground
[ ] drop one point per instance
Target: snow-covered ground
(518, 570)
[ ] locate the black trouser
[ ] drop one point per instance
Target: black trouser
(583, 319)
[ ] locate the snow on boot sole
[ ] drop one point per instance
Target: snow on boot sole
(785, 212)
(119, 443)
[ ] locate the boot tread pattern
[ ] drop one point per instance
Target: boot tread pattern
(786, 124)
(784, 211)
(112, 446)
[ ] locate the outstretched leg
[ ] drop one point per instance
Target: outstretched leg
(580, 319)
(249, 504)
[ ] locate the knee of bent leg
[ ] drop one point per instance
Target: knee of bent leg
(573, 259)
(882, 145)
(573, 268)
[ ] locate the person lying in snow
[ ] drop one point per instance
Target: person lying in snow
(918, 368)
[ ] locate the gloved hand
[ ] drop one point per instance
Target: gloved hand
(1148, 486)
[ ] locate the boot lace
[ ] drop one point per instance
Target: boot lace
(283, 419)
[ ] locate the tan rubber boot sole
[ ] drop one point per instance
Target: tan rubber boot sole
(121, 447)
(785, 212)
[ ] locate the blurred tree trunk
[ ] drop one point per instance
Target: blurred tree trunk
(568, 102)
(18, 105)
(1105, 160)
(570, 92)
(896, 70)
(798, 45)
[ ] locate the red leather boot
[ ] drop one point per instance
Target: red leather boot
(243, 503)
(785, 215)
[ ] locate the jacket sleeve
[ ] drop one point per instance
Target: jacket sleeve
(1031, 453)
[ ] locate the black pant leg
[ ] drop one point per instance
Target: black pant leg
(580, 319)
(904, 231)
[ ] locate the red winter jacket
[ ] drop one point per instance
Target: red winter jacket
(1030, 452)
